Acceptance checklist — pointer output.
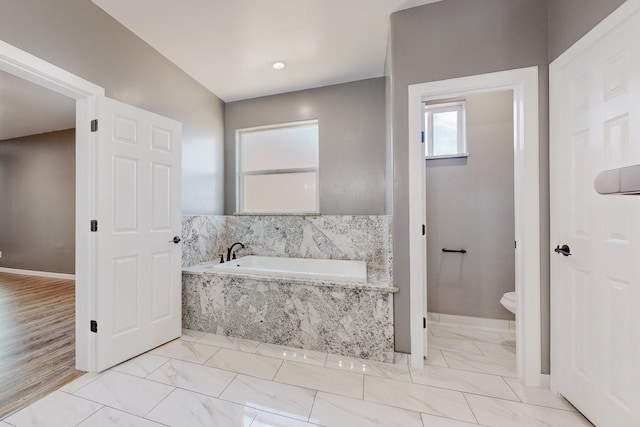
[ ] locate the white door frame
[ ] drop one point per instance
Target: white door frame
(524, 83)
(22, 64)
(628, 9)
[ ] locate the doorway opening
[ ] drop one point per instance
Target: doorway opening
(32, 69)
(45, 165)
(524, 85)
(470, 212)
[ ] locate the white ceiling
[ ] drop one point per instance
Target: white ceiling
(29, 109)
(229, 45)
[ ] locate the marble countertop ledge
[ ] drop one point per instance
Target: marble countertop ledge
(371, 286)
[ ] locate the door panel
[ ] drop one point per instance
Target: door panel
(139, 276)
(595, 122)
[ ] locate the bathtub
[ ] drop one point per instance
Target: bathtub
(297, 268)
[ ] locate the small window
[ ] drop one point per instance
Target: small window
(278, 168)
(445, 130)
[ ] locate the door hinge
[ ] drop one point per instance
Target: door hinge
(515, 244)
(422, 137)
(424, 323)
(94, 125)
(94, 326)
(94, 225)
(424, 230)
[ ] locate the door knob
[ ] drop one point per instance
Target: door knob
(564, 250)
(175, 240)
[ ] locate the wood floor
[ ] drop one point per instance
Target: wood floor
(37, 338)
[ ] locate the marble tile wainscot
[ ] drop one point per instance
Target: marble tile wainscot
(343, 318)
(346, 237)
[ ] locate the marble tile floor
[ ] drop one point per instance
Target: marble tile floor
(208, 380)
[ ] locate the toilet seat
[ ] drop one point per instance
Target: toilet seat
(508, 300)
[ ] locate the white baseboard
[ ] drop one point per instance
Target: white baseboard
(38, 273)
(471, 321)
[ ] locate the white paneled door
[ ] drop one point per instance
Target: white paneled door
(139, 222)
(595, 126)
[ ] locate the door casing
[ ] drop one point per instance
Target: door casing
(524, 84)
(31, 68)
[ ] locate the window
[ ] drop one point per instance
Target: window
(278, 168)
(445, 130)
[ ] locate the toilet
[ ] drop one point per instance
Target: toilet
(508, 300)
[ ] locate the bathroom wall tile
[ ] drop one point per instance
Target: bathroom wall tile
(56, 409)
(245, 363)
(204, 238)
(281, 399)
(109, 417)
(336, 411)
(185, 408)
(416, 397)
(538, 396)
(483, 364)
(455, 379)
(142, 365)
(194, 377)
(369, 367)
(310, 357)
(361, 237)
(503, 413)
(320, 378)
(125, 392)
(186, 350)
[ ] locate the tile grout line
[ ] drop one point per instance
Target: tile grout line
(470, 408)
(154, 406)
(146, 377)
(89, 416)
(226, 387)
(315, 396)
(512, 389)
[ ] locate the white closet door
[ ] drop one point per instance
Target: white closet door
(595, 126)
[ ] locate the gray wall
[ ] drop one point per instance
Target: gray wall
(79, 37)
(569, 20)
(37, 202)
(455, 38)
(470, 206)
(351, 120)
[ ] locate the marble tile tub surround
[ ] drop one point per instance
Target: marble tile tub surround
(351, 237)
(295, 313)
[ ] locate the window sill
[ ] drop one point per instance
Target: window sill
(447, 156)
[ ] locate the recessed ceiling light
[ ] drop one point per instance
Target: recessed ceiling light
(278, 65)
